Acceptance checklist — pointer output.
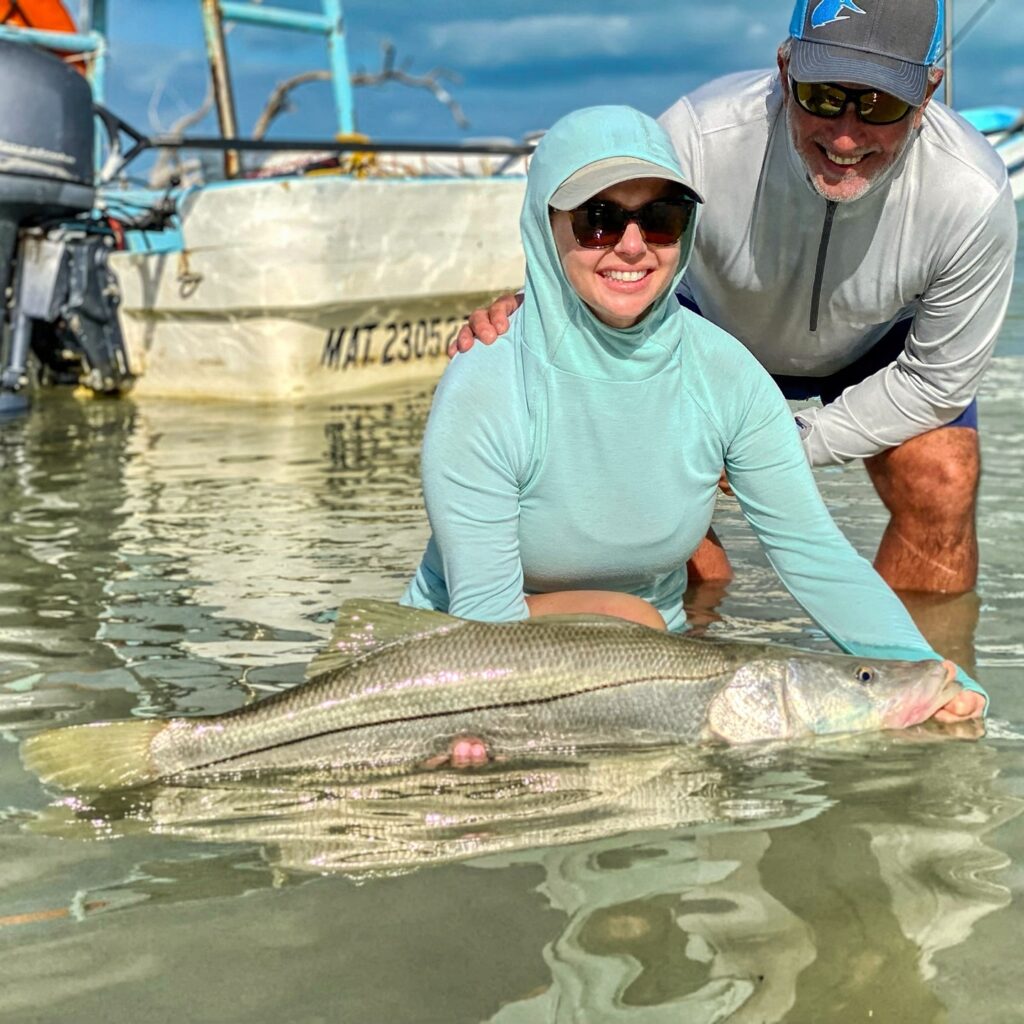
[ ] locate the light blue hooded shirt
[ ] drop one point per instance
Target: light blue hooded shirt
(575, 456)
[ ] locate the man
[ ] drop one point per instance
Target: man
(858, 238)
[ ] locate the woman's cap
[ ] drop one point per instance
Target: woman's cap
(887, 45)
(601, 174)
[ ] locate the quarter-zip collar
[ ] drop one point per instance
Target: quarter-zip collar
(868, 204)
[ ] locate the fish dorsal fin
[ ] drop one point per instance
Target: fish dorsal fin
(365, 625)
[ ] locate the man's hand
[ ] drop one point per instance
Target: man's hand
(487, 325)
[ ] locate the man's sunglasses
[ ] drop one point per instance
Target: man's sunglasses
(826, 99)
(600, 223)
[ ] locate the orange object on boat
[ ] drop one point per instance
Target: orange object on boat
(47, 15)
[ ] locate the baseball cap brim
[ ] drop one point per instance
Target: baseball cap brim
(601, 174)
(820, 62)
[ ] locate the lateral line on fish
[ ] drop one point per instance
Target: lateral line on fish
(447, 713)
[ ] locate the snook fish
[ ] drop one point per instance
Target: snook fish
(397, 685)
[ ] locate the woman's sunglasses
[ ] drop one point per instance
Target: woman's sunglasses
(600, 223)
(826, 99)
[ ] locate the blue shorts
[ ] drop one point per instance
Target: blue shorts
(828, 389)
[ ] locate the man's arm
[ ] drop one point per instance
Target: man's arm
(947, 351)
(486, 325)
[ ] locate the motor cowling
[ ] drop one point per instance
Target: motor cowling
(63, 304)
(46, 137)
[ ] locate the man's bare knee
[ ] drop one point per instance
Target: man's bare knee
(934, 476)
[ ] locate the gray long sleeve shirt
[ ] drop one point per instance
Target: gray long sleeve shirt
(933, 240)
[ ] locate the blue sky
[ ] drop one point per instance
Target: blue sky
(522, 64)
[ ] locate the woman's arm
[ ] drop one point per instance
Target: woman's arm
(475, 450)
(838, 588)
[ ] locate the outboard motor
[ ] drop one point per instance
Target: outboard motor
(62, 303)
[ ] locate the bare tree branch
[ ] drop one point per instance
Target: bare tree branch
(278, 102)
(168, 162)
(432, 81)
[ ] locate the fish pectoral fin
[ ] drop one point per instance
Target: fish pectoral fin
(364, 625)
(750, 708)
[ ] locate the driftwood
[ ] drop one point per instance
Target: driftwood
(169, 164)
(432, 81)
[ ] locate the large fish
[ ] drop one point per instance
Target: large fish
(397, 686)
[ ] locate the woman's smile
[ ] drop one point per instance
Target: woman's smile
(619, 283)
(630, 282)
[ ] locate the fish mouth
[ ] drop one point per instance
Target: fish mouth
(937, 689)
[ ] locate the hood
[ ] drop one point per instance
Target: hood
(554, 321)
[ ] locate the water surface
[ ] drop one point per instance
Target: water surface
(167, 558)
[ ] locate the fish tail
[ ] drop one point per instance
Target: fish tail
(101, 755)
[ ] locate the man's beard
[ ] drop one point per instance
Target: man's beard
(868, 183)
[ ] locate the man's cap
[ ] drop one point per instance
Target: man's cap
(601, 174)
(887, 45)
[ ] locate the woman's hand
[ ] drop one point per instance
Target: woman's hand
(965, 705)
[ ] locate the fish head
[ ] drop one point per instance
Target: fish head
(844, 693)
(788, 694)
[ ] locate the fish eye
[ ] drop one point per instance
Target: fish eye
(865, 674)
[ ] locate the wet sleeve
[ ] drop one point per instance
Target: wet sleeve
(947, 351)
(838, 588)
(473, 457)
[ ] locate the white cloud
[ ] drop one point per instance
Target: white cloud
(543, 38)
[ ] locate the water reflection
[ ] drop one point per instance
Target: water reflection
(846, 910)
(265, 516)
(731, 885)
(370, 827)
(949, 622)
(61, 494)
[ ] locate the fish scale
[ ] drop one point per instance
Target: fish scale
(397, 685)
(572, 679)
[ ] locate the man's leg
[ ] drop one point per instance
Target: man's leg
(929, 484)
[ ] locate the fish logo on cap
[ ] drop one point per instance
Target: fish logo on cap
(829, 11)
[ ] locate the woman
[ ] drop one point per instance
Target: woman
(575, 469)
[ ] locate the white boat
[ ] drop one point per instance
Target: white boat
(1003, 126)
(1004, 129)
(312, 285)
(302, 287)
(298, 281)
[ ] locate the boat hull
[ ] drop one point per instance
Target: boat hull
(298, 288)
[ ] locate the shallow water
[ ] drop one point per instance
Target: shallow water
(165, 558)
